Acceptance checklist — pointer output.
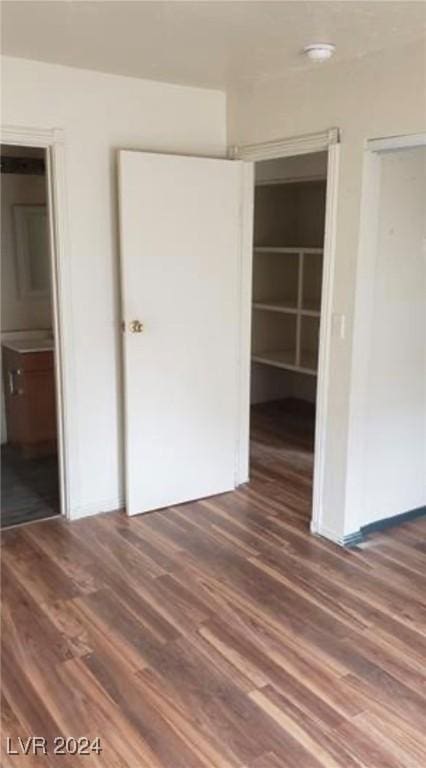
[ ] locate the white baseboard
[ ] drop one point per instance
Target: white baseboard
(96, 508)
(348, 540)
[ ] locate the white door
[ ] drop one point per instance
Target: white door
(181, 253)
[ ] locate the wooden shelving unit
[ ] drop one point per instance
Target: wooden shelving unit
(287, 274)
(286, 284)
(289, 215)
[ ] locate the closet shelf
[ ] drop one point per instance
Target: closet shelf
(286, 306)
(285, 359)
(286, 249)
(287, 280)
(291, 180)
(308, 361)
(277, 305)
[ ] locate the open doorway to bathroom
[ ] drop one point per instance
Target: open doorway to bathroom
(30, 488)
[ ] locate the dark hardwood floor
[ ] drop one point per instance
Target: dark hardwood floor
(218, 633)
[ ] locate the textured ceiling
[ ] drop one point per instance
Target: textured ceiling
(213, 44)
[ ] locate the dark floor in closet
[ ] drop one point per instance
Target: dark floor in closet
(282, 443)
(29, 487)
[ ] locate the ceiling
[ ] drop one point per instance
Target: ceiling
(211, 44)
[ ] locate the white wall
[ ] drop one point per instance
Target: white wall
(100, 114)
(392, 419)
(268, 383)
(19, 313)
(377, 95)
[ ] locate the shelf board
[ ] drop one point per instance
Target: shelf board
(310, 308)
(308, 360)
(277, 305)
(290, 180)
(286, 307)
(281, 357)
(284, 358)
(285, 249)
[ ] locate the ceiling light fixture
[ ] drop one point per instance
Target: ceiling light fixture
(319, 51)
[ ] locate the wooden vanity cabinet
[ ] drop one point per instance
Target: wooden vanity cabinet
(29, 385)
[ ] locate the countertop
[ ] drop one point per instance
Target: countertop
(24, 346)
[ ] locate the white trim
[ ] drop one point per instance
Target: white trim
(99, 508)
(299, 308)
(52, 140)
(296, 145)
(324, 141)
(361, 343)
(31, 137)
(324, 356)
(328, 533)
(244, 342)
(350, 539)
(61, 292)
(364, 313)
(391, 143)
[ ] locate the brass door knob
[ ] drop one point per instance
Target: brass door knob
(136, 326)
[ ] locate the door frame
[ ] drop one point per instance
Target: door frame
(324, 141)
(363, 313)
(53, 142)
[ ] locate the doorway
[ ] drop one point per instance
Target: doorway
(30, 481)
(288, 260)
(389, 394)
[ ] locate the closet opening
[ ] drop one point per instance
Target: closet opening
(289, 226)
(30, 478)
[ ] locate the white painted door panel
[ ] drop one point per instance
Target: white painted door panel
(181, 247)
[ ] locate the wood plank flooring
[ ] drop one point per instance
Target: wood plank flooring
(218, 634)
